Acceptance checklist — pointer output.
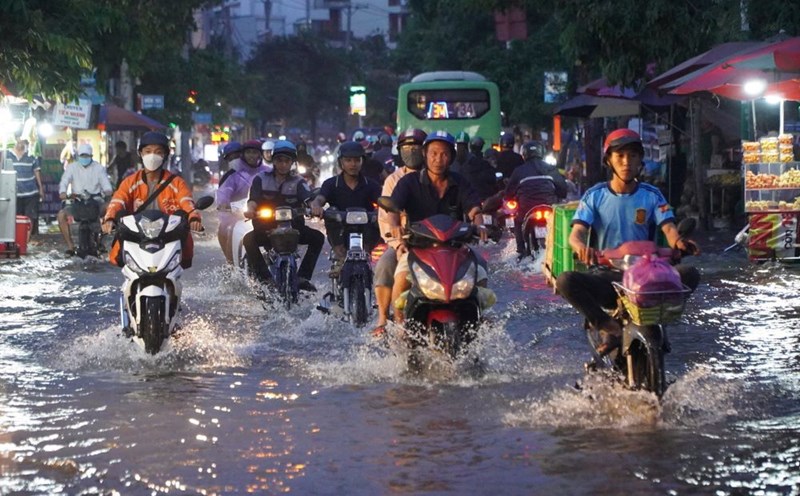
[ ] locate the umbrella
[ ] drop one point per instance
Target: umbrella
(600, 87)
(114, 118)
(783, 56)
(588, 106)
(719, 52)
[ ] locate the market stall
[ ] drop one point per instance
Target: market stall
(772, 198)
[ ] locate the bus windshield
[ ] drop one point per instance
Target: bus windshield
(448, 104)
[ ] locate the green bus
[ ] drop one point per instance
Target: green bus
(452, 101)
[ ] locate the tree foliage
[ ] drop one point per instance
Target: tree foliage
(298, 80)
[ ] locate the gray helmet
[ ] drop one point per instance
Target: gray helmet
(533, 149)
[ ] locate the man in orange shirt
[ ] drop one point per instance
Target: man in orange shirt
(136, 189)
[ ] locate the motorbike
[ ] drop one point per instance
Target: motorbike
(351, 283)
(86, 213)
(643, 316)
(282, 256)
(445, 304)
(151, 250)
(534, 228)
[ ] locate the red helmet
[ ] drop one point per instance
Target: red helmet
(411, 136)
(253, 144)
(621, 137)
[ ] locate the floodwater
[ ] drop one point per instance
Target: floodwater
(255, 400)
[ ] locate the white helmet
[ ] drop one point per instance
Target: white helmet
(268, 146)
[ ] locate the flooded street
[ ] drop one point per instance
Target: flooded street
(255, 400)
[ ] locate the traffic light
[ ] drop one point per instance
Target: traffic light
(192, 97)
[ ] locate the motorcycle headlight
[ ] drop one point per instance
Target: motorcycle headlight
(131, 263)
(431, 288)
(151, 228)
(174, 261)
(356, 218)
(301, 169)
(463, 287)
(283, 214)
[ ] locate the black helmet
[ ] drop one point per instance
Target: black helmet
(507, 140)
(476, 143)
(154, 138)
(533, 149)
(385, 140)
(350, 149)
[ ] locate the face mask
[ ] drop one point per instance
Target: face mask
(152, 161)
(411, 157)
(85, 161)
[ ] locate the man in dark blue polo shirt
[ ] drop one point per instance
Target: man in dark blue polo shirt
(348, 189)
(433, 190)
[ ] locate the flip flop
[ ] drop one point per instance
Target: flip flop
(608, 343)
(378, 332)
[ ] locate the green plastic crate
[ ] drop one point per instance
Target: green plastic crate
(559, 256)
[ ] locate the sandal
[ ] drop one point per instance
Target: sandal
(608, 343)
(379, 331)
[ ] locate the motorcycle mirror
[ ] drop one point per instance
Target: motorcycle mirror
(204, 202)
(687, 226)
(492, 204)
(386, 203)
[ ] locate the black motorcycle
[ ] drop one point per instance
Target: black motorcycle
(86, 213)
(282, 256)
(351, 280)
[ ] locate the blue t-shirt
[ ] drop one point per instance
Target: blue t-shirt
(26, 167)
(616, 218)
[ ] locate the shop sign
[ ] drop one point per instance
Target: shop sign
(75, 115)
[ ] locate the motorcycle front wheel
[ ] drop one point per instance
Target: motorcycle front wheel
(450, 339)
(152, 327)
(646, 368)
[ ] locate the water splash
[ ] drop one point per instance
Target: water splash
(600, 400)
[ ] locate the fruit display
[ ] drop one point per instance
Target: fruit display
(761, 205)
(769, 150)
(789, 179)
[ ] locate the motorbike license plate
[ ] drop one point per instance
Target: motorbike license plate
(510, 222)
(541, 232)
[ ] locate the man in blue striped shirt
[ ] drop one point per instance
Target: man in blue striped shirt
(29, 182)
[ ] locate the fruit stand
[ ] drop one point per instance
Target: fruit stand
(772, 199)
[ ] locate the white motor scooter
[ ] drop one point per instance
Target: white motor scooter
(151, 251)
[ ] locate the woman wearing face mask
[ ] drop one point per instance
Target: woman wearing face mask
(136, 189)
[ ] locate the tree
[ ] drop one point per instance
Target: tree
(299, 80)
(42, 52)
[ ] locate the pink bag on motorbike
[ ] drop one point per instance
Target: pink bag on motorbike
(655, 276)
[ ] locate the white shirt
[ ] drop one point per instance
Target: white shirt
(388, 186)
(92, 179)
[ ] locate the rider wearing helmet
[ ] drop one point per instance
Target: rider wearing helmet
(409, 159)
(383, 154)
(266, 152)
(348, 189)
(306, 165)
(235, 188)
(508, 159)
(462, 153)
(230, 154)
(478, 171)
(620, 210)
(135, 194)
(533, 183)
(433, 190)
(281, 187)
